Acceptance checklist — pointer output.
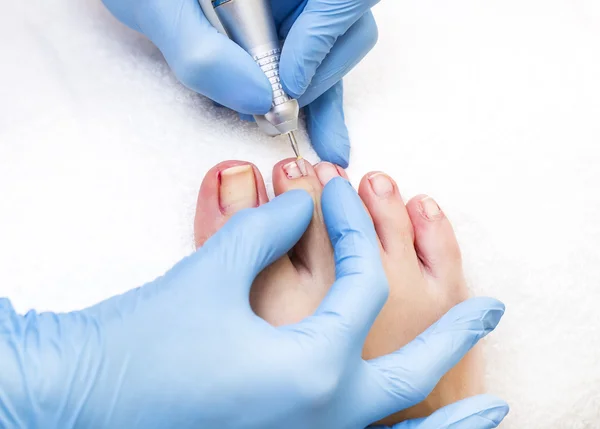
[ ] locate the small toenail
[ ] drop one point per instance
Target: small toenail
(237, 189)
(381, 184)
(430, 209)
(292, 170)
(326, 171)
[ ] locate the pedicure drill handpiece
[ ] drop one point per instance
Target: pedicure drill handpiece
(250, 24)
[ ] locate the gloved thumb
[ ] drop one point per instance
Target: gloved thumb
(408, 375)
(327, 127)
(255, 238)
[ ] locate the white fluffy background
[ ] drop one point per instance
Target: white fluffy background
(492, 107)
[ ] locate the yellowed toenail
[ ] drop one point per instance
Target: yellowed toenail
(430, 209)
(381, 184)
(237, 189)
(292, 171)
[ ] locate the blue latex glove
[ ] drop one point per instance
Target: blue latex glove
(478, 412)
(186, 351)
(336, 33)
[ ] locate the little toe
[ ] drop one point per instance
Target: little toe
(435, 241)
(380, 194)
(227, 188)
(313, 253)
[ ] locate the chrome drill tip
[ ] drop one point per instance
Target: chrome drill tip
(294, 144)
(299, 159)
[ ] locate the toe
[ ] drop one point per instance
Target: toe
(313, 252)
(380, 194)
(327, 171)
(435, 241)
(227, 188)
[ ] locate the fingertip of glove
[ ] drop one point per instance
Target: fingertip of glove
(331, 144)
(492, 311)
(340, 156)
(293, 77)
(487, 302)
(343, 163)
(480, 316)
(337, 184)
(327, 128)
(256, 99)
(495, 412)
(5, 305)
(482, 411)
(264, 101)
(294, 91)
(496, 310)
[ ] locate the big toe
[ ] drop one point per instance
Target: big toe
(435, 241)
(227, 188)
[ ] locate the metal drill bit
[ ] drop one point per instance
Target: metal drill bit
(299, 159)
(294, 144)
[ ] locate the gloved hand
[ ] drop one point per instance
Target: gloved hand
(186, 351)
(336, 33)
(478, 412)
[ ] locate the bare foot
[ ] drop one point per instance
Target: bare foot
(418, 248)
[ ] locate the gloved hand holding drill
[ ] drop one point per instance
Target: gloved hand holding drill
(324, 40)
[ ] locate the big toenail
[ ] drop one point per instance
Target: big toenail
(430, 209)
(381, 184)
(325, 172)
(237, 189)
(292, 170)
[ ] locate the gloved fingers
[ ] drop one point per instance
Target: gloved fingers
(124, 11)
(361, 287)
(347, 52)
(203, 59)
(324, 97)
(312, 37)
(254, 238)
(478, 412)
(407, 376)
(327, 127)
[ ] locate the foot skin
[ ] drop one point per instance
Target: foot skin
(418, 248)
